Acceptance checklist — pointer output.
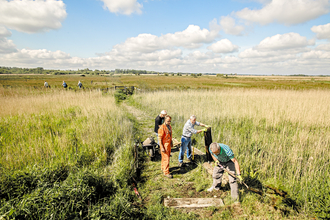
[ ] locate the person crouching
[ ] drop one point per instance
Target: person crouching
(224, 157)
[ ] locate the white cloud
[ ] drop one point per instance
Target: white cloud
(284, 41)
(223, 46)
(286, 12)
(161, 55)
(252, 53)
(125, 7)
(280, 54)
(198, 55)
(325, 47)
(229, 26)
(322, 31)
(4, 32)
(7, 46)
(249, 61)
(32, 16)
(142, 43)
(192, 37)
(316, 55)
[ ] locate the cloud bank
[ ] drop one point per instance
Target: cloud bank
(125, 7)
(193, 49)
(32, 16)
(286, 12)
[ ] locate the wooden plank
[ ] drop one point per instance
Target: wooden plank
(198, 152)
(209, 168)
(175, 142)
(192, 202)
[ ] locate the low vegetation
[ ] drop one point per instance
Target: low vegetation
(68, 153)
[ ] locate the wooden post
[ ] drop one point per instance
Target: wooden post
(208, 141)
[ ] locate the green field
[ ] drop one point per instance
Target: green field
(68, 153)
(161, 82)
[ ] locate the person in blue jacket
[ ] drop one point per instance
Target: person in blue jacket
(64, 85)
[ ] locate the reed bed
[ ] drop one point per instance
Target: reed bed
(304, 107)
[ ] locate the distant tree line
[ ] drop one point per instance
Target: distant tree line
(41, 70)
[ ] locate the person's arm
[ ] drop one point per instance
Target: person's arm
(160, 138)
(200, 124)
(199, 131)
(237, 168)
(215, 159)
(193, 131)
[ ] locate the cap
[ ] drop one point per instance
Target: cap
(163, 112)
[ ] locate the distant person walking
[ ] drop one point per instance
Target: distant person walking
(79, 84)
(64, 85)
(165, 144)
(46, 84)
(188, 131)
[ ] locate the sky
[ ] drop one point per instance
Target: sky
(260, 37)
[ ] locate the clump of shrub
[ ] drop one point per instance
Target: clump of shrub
(120, 96)
(64, 192)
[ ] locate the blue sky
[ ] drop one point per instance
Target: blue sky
(211, 36)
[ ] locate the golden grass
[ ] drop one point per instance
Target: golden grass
(96, 124)
(304, 107)
(23, 101)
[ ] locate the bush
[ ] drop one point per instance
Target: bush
(71, 198)
(120, 96)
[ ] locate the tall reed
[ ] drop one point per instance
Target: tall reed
(59, 126)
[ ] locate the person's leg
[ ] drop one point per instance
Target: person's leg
(166, 160)
(189, 150)
(217, 177)
(157, 138)
(233, 181)
(165, 163)
(182, 149)
(162, 161)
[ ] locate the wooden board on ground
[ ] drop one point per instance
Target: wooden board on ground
(176, 143)
(209, 167)
(206, 165)
(192, 202)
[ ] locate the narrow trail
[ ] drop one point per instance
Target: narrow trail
(146, 122)
(187, 182)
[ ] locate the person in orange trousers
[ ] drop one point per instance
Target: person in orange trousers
(165, 144)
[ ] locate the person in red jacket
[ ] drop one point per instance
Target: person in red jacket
(165, 144)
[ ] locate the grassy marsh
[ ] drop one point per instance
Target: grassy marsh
(68, 153)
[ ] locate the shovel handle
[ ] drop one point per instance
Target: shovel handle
(233, 175)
